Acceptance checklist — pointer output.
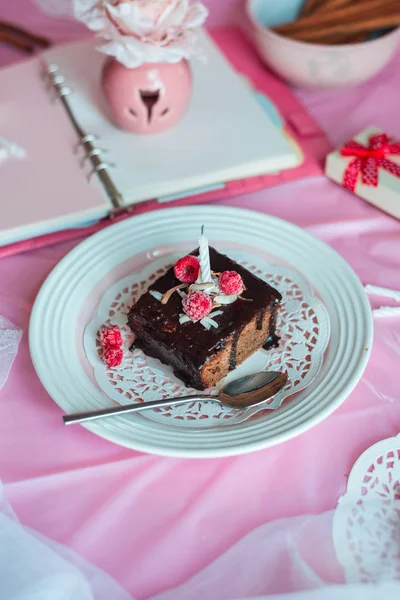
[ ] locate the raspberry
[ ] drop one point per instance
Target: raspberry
(112, 357)
(187, 269)
(110, 337)
(197, 305)
(230, 283)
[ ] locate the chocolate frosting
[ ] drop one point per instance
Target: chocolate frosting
(191, 340)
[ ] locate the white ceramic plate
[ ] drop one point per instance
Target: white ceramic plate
(70, 296)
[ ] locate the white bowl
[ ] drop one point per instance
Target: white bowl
(314, 65)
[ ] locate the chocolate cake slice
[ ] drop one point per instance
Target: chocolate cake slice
(199, 356)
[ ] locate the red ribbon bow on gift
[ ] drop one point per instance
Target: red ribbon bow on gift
(368, 160)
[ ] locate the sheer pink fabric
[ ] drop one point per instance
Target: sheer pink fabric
(158, 523)
(10, 337)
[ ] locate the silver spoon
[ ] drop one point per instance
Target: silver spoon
(242, 393)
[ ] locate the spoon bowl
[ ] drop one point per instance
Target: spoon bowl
(242, 393)
(251, 390)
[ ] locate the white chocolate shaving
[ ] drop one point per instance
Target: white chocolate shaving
(199, 287)
(169, 293)
(215, 313)
(157, 295)
(207, 321)
(225, 299)
(375, 290)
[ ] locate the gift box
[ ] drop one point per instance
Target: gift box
(369, 166)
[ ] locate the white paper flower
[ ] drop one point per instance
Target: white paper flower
(92, 13)
(139, 31)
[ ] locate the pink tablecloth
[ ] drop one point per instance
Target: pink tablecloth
(154, 522)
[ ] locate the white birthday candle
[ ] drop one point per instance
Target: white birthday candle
(204, 255)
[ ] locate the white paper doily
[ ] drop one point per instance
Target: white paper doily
(366, 524)
(303, 326)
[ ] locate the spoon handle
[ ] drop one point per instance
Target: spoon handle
(130, 408)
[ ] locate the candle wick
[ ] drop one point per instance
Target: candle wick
(202, 230)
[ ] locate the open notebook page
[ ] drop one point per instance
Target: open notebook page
(44, 189)
(225, 134)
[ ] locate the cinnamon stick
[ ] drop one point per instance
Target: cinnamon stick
(349, 38)
(310, 6)
(333, 5)
(334, 39)
(358, 37)
(350, 16)
(22, 37)
(370, 25)
(9, 39)
(329, 39)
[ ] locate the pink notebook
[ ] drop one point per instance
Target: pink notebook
(272, 96)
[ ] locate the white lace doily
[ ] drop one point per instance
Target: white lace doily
(303, 326)
(366, 524)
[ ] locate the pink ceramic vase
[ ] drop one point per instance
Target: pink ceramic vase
(149, 98)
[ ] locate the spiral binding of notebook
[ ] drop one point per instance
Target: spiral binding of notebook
(210, 169)
(55, 81)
